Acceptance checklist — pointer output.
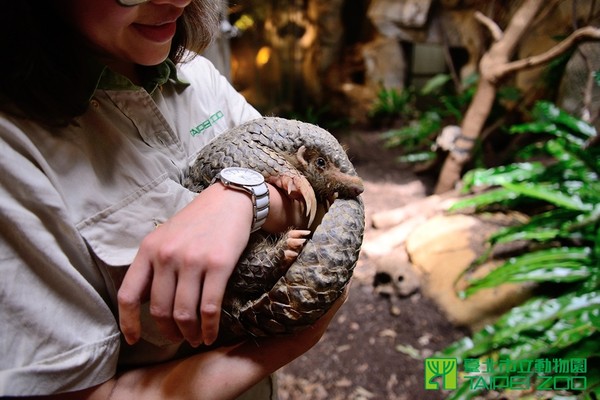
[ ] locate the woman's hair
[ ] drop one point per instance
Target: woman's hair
(40, 74)
(197, 28)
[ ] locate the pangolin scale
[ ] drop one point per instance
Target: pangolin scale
(266, 296)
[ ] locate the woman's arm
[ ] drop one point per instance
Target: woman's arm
(223, 373)
(184, 265)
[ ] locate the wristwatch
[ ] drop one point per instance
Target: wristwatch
(251, 182)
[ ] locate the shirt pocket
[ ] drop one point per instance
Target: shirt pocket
(114, 233)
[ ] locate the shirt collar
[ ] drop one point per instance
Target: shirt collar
(152, 77)
(102, 77)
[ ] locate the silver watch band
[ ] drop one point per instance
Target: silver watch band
(260, 201)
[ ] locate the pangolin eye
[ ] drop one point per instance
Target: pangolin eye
(320, 162)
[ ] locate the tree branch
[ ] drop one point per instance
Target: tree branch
(518, 26)
(489, 23)
(586, 33)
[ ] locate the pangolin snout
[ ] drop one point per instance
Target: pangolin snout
(351, 186)
(358, 189)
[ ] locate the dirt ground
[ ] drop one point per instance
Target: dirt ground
(367, 352)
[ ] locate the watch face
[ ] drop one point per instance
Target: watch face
(242, 176)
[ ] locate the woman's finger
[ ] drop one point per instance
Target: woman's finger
(213, 290)
(162, 298)
(132, 292)
(185, 309)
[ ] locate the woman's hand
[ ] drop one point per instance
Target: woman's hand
(184, 265)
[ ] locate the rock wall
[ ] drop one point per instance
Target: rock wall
(339, 54)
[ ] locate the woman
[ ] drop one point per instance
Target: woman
(103, 108)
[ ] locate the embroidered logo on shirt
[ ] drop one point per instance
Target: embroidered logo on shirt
(207, 124)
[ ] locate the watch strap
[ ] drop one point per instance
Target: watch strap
(260, 203)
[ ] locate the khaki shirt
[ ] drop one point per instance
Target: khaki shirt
(75, 205)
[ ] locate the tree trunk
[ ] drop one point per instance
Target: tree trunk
(491, 68)
(472, 125)
(495, 65)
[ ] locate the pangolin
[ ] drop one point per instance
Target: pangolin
(270, 292)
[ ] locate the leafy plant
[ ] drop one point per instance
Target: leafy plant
(562, 195)
(392, 104)
(417, 137)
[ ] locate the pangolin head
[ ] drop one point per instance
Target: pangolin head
(323, 161)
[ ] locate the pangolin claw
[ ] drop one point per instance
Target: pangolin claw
(297, 187)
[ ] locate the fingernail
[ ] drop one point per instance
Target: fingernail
(208, 342)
